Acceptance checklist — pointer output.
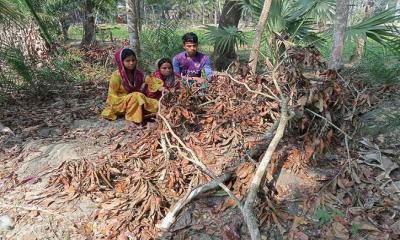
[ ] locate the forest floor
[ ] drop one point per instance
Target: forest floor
(350, 192)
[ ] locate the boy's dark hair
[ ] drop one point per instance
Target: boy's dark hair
(126, 53)
(162, 61)
(190, 37)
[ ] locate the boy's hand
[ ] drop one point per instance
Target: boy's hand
(200, 80)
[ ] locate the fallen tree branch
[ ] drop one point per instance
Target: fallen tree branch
(249, 217)
(4, 129)
(249, 89)
(197, 162)
(194, 159)
(331, 123)
(26, 207)
(169, 219)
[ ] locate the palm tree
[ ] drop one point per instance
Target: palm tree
(133, 23)
(89, 9)
(42, 26)
(8, 12)
(226, 35)
(342, 13)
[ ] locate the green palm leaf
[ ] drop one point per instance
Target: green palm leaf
(9, 12)
(225, 39)
(379, 27)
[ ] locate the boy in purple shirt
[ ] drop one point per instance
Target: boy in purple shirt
(190, 63)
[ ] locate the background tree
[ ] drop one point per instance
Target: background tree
(62, 11)
(132, 14)
(253, 59)
(89, 9)
(342, 12)
(230, 16)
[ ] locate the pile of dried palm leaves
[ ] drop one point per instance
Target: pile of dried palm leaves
(226, 127)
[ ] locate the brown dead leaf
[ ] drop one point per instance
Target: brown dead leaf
(244, 170)
(297, 235)
(395, 227)
(294, 232)
(340, 231)
(185, 113)
(364, 225)
(231, 232)
(302, 101)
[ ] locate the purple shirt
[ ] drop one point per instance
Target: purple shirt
(191, 67)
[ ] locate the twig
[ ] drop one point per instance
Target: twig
(197, 162)
(194, 159)
(211, 101)
(332, 124)
(169, 219)
(250, 218)
(348, 151)
(249, 89)
(274, 79)
(27, 208)
(164, 146)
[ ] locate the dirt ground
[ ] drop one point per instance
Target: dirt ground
(356, 198)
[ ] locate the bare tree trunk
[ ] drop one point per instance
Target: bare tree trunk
(342, 13)
(257, 37)
(203, 14)
(145, 15)
(230, 16)
(64, 28)
(139, 6)
(361, 41)
(154, 13)
(89, 27)
(192, 17)
(216, 17)
(133, 24)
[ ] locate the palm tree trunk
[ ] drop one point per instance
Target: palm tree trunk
(139, 6)
(154, 13)
(202, 13)
(89, 27)
(361, 41)
(230, 16)
(342, 13)
(216, 15)
(133, 25)
(257, 38)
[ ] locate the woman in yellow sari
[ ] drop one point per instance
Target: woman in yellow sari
(128, 89)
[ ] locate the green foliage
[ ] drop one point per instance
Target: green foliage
(319, 10)
(225, 39)
(355, 229)
(158, 43)
(380, 27)
(378, 68)
(8, 12)
(29, 76)
(324, 216)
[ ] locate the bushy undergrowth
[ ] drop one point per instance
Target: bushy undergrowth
(33, 77)
(158, 43)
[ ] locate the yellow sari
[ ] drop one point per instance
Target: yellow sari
(133, 105)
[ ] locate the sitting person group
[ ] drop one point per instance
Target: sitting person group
(132, 95)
